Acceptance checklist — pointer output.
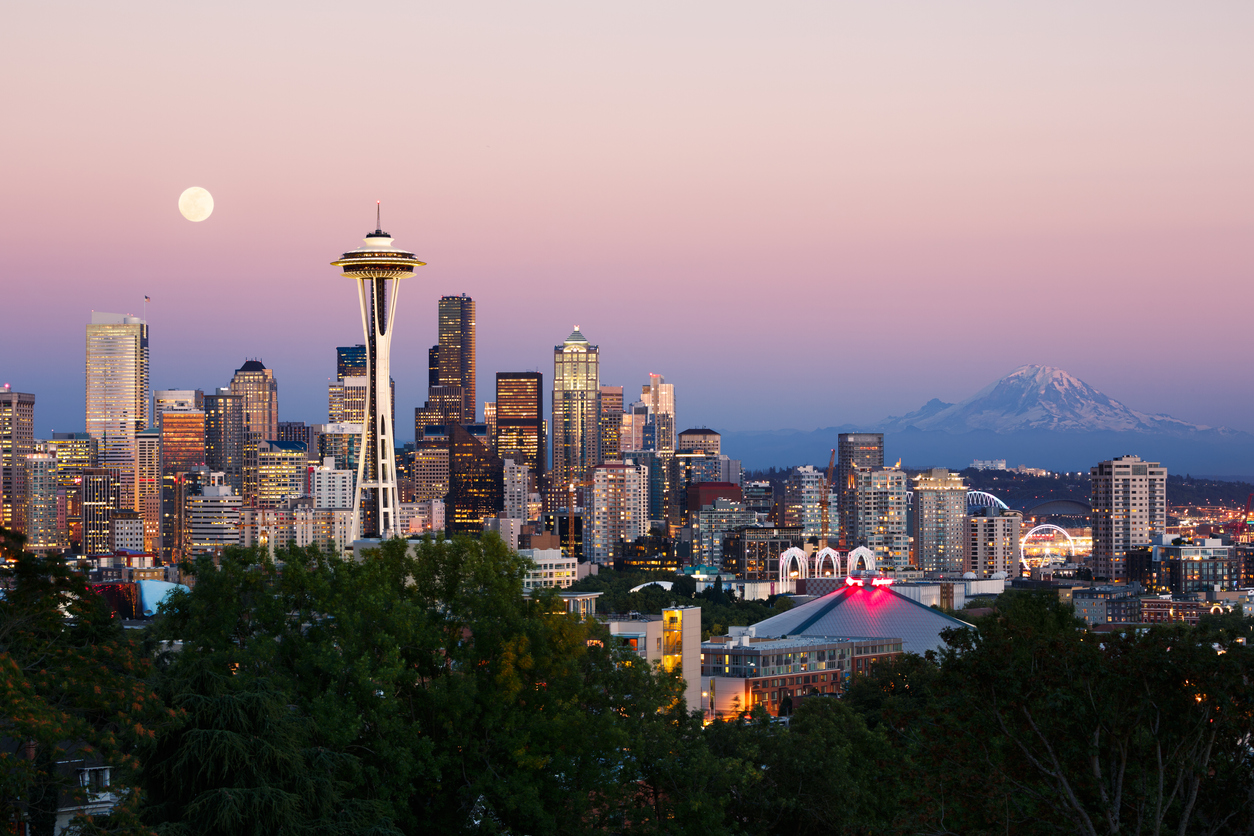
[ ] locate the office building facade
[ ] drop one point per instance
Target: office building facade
(576, 413)
(17, 440)
(476, 482)
(520, 430)
(117, 394)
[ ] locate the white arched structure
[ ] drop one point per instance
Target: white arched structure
(860, 558)
(1046, 527)
(788, 558)
(830, 557)
(984, 499)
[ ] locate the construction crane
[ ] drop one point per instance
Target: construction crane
(825, 500)
(1243, 525)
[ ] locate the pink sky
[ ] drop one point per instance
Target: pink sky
(803, 215)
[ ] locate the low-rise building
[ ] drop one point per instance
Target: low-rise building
(671, 641)
(551, 569)
(741, 672)
(1183, 567)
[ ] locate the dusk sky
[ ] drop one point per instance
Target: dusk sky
(802, 214)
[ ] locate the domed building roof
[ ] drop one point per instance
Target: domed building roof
(251, 366)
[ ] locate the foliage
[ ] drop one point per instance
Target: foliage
(73, 688)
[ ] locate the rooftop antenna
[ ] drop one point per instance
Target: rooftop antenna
(378, 225)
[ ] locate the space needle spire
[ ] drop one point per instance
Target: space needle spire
(377, 267)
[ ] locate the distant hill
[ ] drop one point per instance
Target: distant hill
(1036, 415)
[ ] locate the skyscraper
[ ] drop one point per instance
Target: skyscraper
(476, 482)
(940, 527)
(182, 450)
(660, 398)
(576, 411)
(879, 508)
(75, 452)
(350, 361)
(17, 440)
(224, 438)
(993, 542)
(100, 500)
(854, 450)
(618, 510)
(451, 367)
(148, 486)
(611, 423)
(346, 397)
(40, 523)
(373, 266)
(519, 420)
(260, 391)
(117, 394)
(1129, 502)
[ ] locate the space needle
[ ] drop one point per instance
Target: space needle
(373, 265)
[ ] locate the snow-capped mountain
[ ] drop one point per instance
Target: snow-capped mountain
(1038, 398)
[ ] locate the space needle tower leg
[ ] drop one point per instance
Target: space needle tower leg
(373, 265)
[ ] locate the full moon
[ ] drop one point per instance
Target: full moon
(196, 204)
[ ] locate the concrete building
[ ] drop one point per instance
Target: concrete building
(179, 400)
(182, 450)
(992, 542)
(879, 509)
(341, 442)
(42, 518)
(940, 529)
(803, 502)
(1129, 501)
(213, 516)
(854, 450)
(126, 532)
(516, 490)
(148, 486)
(619, 508)
(611, 423)
(576, 413)
(17, 440)
(670, 641)
(75, 452)
(551, 569)
(330, 486)
(430, 473)
(259, 389)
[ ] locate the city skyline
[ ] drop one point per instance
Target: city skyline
(1010, 176)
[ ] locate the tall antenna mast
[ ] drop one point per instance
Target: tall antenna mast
(378, 211)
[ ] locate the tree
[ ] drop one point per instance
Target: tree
(73, 686)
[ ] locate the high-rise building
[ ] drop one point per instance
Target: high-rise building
(260, 391)
(182, 450)
(618, 510)
(611, 423)
(224, 438)
(75, 452)
(180, 399)
(516, 490)
(117, 394)
(803, 501)
(576, 412)
(520, 420)
(377, 267)
(702, 440)
(126, 532)
(100, 501)
(41, 521)
(879, 508)
(489, 418)
(457, 352)
(17, 440)
(476, 482)
(854, 450)
(993, 542)
(148, 486)
(430, 469)
(330, 486)
(940, 529)
(339, 441)
(632, 436)
(213, 517)
(660, 398)
(281, 468)
(1129, 499)
(350, 361)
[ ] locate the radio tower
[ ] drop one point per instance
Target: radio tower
(375, 501)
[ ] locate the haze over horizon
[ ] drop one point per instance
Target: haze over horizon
(803, 218)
